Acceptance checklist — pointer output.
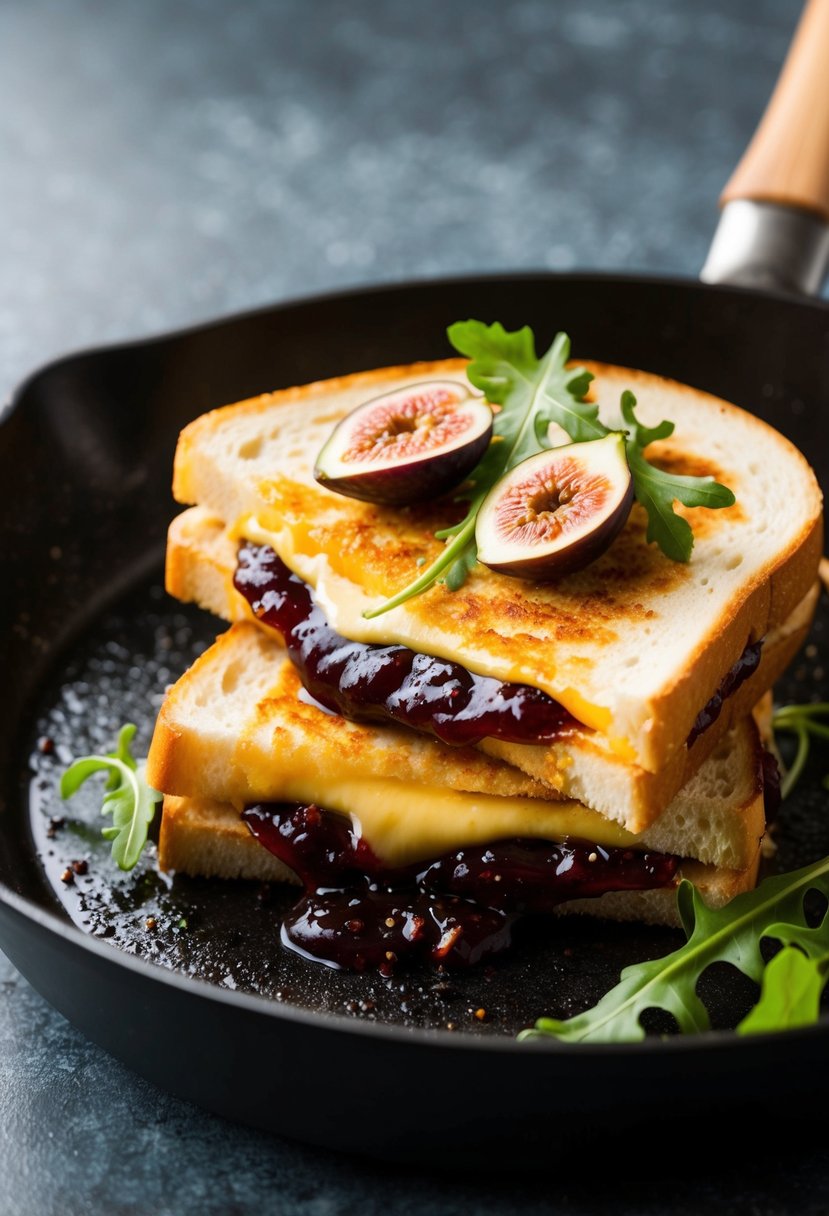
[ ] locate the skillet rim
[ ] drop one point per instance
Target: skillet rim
(10, 403)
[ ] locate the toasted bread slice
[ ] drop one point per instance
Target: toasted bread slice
(209, 839)
(201, 559)
(234, 729)
(634, 645)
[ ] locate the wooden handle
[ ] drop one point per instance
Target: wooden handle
(787, 161)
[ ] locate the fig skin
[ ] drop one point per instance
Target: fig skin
(543, 560)
(401, 481)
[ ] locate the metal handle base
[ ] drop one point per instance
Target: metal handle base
(768, 246)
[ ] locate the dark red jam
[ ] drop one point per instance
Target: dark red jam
(390, 683)
(457, 910)
(745, 666)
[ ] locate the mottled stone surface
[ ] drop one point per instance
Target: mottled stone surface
(162, 163)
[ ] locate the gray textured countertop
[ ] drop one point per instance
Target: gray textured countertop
(164, 163)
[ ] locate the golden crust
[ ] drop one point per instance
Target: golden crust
(650, 792)
(200, 564)
(567, 626)
(275, 717)
(232, 730)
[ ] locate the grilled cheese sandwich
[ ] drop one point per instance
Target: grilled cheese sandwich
(656, 772)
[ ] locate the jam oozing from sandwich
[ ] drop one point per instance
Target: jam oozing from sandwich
(390, 683)
(457, 909)
(745, 666)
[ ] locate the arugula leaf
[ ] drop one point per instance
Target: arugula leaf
(793, 983)
(657, 490)
(463, 565)
(731, 934)
(803, 721)
(533, 393)
(127, 797)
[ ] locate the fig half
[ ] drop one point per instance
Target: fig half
(406, 446)
(558, 511)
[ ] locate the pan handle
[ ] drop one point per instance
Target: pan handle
(774, 227)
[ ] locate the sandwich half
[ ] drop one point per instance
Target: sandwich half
(240, 752)
(202, 561)
(603, 746)
(638, 651)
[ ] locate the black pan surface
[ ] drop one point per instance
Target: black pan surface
(185, 980)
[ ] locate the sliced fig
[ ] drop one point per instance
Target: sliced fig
(556, 512)
(406, 446)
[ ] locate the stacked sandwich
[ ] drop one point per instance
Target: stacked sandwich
(477, 753)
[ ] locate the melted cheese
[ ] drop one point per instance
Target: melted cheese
(404, 821)
(343, 601)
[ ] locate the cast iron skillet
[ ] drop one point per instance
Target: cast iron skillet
(186, 982)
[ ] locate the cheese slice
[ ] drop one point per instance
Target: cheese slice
(344, 603)
(403, 822)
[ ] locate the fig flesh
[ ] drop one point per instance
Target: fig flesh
(407, 446)
(557, 511)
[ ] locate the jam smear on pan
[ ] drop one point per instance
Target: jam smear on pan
(456, 910)
(390, 683)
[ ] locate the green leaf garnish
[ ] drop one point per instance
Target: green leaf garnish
(657, 490)
(793, 983)
(805, 722)
(534, 393)
(127, 797)
(732, 934)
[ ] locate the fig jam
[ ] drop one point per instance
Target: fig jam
(745, 666)
(457, 910)
(390, 683)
